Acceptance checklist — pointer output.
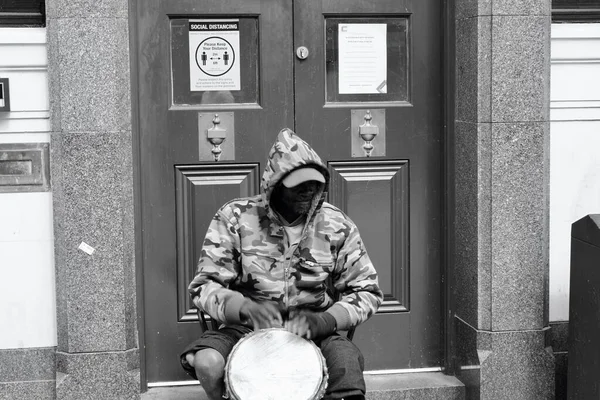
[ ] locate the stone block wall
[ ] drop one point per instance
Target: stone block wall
(92, 169)
(502, 175)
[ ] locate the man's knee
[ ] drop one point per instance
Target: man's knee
(343, 359)
(209, 364)
(336, 347)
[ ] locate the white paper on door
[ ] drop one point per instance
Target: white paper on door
(362, 58)
(214, 55)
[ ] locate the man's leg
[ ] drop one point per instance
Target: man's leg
(209, 365)
(345, 365)
(205, 358)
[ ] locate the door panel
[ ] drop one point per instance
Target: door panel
(375, 193)
(403, 215)
(393, 196)
(192, 183)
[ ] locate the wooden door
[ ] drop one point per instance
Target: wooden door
(393, 196)
(180, 192)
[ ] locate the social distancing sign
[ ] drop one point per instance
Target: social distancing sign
(214, 55)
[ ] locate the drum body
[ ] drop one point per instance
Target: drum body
(274, 364)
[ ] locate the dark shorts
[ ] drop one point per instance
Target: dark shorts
(345, 363)
(222, 341)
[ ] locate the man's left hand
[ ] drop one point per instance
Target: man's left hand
(311, 325)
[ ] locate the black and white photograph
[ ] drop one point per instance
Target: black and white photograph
(299, 199)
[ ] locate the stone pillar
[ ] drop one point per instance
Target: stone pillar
(501, 186)
(91, 162)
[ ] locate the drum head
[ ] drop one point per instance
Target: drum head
(275, 364)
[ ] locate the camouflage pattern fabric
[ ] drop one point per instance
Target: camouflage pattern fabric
(244, 255)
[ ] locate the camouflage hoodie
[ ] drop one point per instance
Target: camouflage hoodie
(244, 253)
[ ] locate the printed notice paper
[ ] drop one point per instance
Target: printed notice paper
(362, 58)
(214, 55)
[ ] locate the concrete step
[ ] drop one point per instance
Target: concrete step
(414, 386)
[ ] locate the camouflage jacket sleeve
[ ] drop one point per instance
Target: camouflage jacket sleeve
(218, 266)
(356, 279)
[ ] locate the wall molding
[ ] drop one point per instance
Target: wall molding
(25, 122)
(584, 110)
(22, 35)
(575, 63)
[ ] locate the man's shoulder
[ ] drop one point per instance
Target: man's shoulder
(331, 210)
(242, 201)
(243, 205)
(332, 214)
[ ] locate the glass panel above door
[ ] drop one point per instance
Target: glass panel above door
(367, 60)
(214, 61)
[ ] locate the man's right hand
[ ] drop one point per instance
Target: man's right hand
(262, 315)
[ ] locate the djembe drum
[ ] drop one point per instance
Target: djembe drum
(274, 364)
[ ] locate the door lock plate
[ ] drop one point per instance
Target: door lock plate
(302, 52)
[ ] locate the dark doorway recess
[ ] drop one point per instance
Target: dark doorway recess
(22, 13)
(575, 10)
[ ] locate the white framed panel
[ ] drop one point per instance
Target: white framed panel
(24, 61)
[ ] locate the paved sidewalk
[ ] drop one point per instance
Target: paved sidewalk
(413, 386)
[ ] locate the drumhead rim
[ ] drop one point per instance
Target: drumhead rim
(317, 395)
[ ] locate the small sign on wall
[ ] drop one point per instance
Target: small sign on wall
(214, 55)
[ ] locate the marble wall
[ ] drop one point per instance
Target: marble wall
(92, 169)
(502, 196)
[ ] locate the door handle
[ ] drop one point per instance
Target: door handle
(368, 132)
(216, 136)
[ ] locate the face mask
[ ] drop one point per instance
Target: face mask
(297, 200)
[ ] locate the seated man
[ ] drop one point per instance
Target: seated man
(284, 257)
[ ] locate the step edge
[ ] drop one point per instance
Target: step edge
(411, 381)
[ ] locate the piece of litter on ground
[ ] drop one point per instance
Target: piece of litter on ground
(86, 248)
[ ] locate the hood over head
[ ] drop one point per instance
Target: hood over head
(290, 152)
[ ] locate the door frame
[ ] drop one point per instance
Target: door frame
(448, 178)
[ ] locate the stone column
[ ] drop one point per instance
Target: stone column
(91, 161)
(502, 175)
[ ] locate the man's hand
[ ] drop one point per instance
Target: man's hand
(262, 315)
(311, 325)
